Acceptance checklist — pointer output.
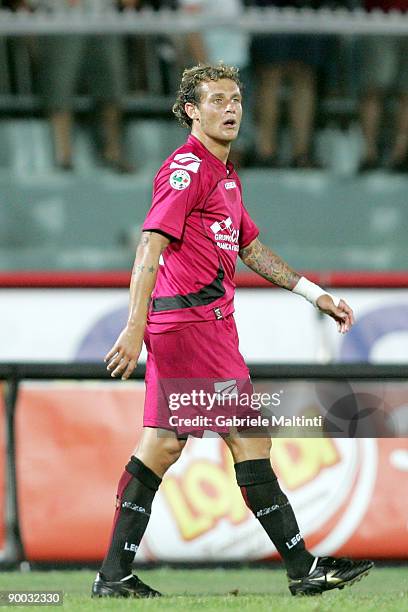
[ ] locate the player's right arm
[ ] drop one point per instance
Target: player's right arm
(175, 191)
(123, 356)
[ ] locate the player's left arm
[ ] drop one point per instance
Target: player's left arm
(262, 260)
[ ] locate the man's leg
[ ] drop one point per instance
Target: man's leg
(109, 84)
(400, 149)
(302, 110)
(399, 153)
(378, 74)
(265, 498)
(137, 488)
(59, 68)
(370, 117)
(61, 122)
(269, 82)
(112, 136)
(307, 575)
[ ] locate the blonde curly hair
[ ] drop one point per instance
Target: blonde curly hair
(189, 86)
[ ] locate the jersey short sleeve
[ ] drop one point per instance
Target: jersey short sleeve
(175, 193)
(248, 230)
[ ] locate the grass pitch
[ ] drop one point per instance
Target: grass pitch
(250, 590)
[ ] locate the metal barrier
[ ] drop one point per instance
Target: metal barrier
(254, 21)
(147, 23)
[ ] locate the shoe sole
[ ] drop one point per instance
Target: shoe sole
(311, 590)
(112, 594)
(123, 595)
(107, 592)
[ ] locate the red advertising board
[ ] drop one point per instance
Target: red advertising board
(2, 465)
(73, 440)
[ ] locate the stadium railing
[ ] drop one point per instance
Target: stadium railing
(340, 22)
(320, 21)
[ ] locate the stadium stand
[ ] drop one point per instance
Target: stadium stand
(48, 217)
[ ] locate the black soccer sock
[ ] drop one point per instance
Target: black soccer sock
(136, 490)
(263, 495)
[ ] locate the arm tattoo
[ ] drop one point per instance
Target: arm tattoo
(141, 267)
(262, 260)
(145, 238)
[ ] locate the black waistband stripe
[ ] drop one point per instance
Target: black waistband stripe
(206, 295)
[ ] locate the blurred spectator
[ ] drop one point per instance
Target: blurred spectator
(384, 67)
(63, 61)
(228, 46)
(295, 58)
(15, 5)
(154, 63)
(18, 55)
(218, 44)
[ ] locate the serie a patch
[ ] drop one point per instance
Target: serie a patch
(180, 179)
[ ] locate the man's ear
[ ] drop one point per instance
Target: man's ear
(192, 111)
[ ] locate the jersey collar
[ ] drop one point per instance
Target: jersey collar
(228, 166)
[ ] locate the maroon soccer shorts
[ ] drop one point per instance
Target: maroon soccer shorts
(197, 380)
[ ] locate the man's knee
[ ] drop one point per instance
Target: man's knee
(244, 449)
(170, 449)
(159, 450)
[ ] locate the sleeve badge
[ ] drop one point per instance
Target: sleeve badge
(180, 179)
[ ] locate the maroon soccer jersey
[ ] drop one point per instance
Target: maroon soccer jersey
(197, 201)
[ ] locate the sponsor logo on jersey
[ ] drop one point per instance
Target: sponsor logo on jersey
(226, 235)
(186, 161)
(180, 179)
(224, 225)
(230, 185)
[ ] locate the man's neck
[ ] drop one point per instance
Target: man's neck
(217, 148)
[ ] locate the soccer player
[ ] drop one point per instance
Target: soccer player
(181, 304)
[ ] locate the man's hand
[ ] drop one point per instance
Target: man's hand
(123, 356)
(342, 314)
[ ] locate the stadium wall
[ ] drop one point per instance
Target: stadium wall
(71, 433)
(74, 324)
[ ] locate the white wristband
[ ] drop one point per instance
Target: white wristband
(312, 292)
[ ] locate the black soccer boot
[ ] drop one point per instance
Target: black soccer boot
(329, 573)
(131, 586)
